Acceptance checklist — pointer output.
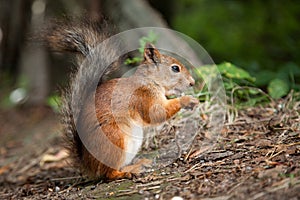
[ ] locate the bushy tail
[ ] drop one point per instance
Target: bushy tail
(80, 37)
(77, 36)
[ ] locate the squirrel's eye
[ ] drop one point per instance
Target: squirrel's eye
(175, 68)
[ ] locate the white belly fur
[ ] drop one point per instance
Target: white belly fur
(133, 143)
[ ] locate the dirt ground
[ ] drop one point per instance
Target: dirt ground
(256, 157)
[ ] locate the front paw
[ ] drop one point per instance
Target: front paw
(188, 102)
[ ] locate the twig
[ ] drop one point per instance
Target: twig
(127, 193)
(189, 153)
(65, 178)
(292, 144)
(272, 152)
(153, 187)
(276, 154)
(149, 184)
(193, 167)
(29, 165)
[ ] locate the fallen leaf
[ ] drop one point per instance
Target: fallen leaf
(62, 154)
(4, 169)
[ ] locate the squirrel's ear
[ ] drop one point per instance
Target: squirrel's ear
(151, 54)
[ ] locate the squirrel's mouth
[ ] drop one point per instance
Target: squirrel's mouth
(174, 92)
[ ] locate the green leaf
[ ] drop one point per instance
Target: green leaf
(206, 72)
(54, 101)
(236, 83)
(231, 71)
(278, 88)
(134, 60)
(152, 38)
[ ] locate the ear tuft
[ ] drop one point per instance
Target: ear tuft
(151, 54)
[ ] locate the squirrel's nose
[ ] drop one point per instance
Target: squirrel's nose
(192, 82)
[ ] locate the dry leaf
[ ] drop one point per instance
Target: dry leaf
(62, 154)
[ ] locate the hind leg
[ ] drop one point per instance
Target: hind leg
(115, 174)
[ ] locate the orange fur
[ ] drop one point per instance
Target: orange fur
(108, 131)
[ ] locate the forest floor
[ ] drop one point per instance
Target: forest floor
(257, 157)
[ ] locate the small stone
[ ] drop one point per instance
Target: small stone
(93, 187)
(248, 168)
(57, 189)
(156, 196)
(177, 198)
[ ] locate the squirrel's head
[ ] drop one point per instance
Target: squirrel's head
(166, 71)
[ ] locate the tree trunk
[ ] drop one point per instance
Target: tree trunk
(34, 62)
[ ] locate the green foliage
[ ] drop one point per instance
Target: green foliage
(231, 74)
(134, 60)
(231, 71)
(238, 84)
(54, 102)
(152, 38)
(278, 88)
(259, 36)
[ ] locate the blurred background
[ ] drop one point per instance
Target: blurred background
(262, 37)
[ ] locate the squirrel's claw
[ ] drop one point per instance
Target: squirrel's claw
(188, 102)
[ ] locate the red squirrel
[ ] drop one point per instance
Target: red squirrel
(158, 76)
